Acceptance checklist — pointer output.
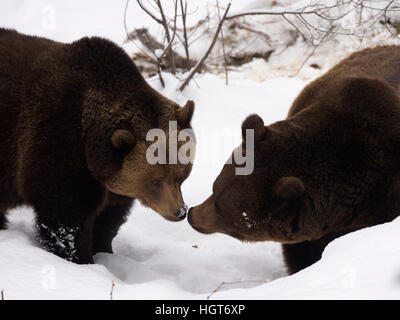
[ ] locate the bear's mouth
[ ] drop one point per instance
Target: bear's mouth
(201, 230)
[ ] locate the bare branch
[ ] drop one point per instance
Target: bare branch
(312, 32)
(159, 21)
(223, 47)
(112, 289)
(128, 37)
(222, 284)
(204, 57)
(269, 13)
(165, 25)
(168, 47)
(386, 19)
(185, 37)
(265, 36)
(316, 24)
(305, 61)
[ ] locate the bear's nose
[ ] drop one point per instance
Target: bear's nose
(181, 213)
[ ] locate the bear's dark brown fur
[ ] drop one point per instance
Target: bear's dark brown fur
(73, 122)
(330, 168)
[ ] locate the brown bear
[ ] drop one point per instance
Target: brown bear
(332, 167)
(73, 124)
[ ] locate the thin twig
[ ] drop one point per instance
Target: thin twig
(168, 47)
(128, 38)
(185, 37)
(270, 13)
(149, 12)
(266, 36)
(199, 64)
(165, 25)
(387, 20)
(112, 289)
(223, 47)
(304, 61)
(232, 283)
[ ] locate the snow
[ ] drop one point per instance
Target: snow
(157, 259)
(361, 265)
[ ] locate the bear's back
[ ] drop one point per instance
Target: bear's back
(18, 52)
(381, 63)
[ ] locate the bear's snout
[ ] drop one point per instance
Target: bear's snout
(203, 218)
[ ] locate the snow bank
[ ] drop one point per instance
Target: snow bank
(361, 265)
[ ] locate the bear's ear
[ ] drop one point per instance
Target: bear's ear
(123, 140)
(254, 122)
(184, 115)
(289, 188)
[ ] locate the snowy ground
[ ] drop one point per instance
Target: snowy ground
(156, 259)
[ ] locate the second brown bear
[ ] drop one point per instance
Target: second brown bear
(332, 167)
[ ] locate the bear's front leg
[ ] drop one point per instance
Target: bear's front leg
(3, 220)
(68, 239)
(298, 256)
(65, 221)
(301, 255)
(107, 225)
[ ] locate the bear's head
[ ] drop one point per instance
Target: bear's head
(148, 176)
(119, 109)
(256, 207)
